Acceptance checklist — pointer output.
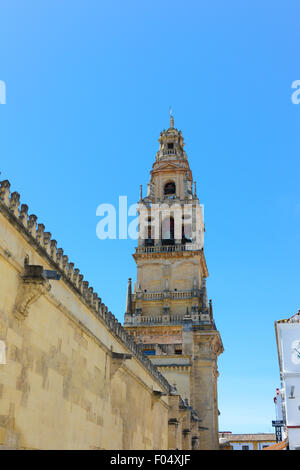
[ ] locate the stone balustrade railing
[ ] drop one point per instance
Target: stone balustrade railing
(168, 248)
(187, 294)
(195, 318)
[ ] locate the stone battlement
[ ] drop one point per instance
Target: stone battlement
(35, 233)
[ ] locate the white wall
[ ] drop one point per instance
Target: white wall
(288, 341)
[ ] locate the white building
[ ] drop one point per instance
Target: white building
(288, 345)
(258, 441)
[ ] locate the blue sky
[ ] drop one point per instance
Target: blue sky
(89, 85)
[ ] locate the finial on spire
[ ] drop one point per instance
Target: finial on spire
(171, 117)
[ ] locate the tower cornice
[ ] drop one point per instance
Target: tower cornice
(173, 165)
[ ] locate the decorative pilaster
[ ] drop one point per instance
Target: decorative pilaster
(207, 347)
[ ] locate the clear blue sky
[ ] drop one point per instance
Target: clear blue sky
(89, 85)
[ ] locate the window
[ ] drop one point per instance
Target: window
(149, 241)
(186, 233)
(170, 146)
(168, 231)
(170, 188)
(245, 447)
(149, 352)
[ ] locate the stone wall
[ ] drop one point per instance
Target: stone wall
(73, 377)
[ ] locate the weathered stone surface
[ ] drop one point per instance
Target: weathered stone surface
(169, 314)
(74, 378)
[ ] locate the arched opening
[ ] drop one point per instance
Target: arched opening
(149, 239)
(170, 188)
(186, 233)
(167, 234)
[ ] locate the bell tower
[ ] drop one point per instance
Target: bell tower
(168, 312)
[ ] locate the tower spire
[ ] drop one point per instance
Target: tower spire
(171, 117)
(129, 298)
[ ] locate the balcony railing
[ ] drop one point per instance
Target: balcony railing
(195, 319)
(168, 248)
(187, 294)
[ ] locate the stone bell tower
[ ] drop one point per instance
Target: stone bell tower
(168, 312)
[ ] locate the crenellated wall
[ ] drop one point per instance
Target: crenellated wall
(73, 377)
